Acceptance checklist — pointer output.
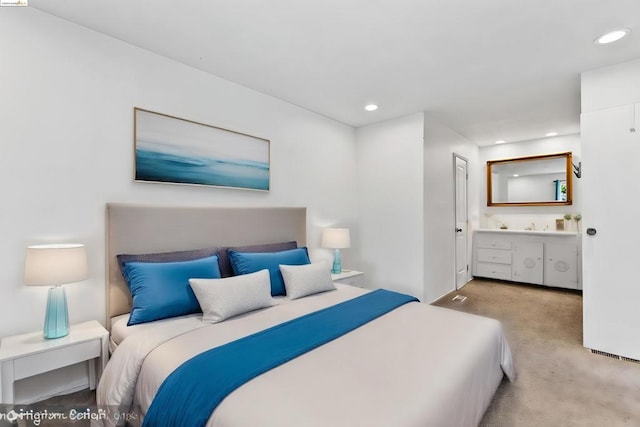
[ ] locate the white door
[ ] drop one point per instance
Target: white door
(611, 211)
(462, 253)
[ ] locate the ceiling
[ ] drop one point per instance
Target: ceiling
(491, 69)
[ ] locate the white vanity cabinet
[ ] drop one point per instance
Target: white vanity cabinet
(537, 257)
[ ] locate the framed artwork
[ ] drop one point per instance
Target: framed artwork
(178, 151)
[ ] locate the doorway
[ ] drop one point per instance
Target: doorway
(461, 221)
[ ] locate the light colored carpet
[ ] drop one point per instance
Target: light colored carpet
(560, 383)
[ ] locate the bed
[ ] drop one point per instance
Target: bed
(416, 365)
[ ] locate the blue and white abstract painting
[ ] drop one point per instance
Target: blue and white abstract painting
(173, 150)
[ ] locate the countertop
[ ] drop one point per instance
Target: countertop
(534, 232)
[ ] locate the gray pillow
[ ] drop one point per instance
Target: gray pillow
(223, 257)
(167, 256)
(221, 299)
(309, 279)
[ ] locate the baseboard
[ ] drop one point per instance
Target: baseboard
(613, 356)
(442, 296)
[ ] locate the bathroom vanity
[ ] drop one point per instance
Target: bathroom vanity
(546, 258)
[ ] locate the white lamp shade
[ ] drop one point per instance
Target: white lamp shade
(50, 265)
(336, 238)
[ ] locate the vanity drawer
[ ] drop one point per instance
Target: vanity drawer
(492, 242)
(493, 271)
(499, 256)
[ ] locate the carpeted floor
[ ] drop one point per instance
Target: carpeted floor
(560, 383)
(72, 409)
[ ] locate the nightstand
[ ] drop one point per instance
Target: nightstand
(27, 355)
(349, 277)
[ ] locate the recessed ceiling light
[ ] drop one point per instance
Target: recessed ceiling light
(552, 134)
(500, 141)
(516, 175)
(612, 36)
(371, 107)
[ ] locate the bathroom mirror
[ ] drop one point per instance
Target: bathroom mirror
(543, 180)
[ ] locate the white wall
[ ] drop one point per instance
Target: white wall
(440, 143)
(406, 203)
(610, 86)
(522, 216)
(390, 196)
(67, 122)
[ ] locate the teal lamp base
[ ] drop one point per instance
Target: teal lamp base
(56, 320)
(337, 262)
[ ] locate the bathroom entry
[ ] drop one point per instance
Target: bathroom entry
(461, 217)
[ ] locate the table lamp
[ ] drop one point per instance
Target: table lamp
(56, 265)
(336, 238)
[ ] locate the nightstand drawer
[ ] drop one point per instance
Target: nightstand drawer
(499, 256)
(352, 278)
(352, 281)
(46, 361)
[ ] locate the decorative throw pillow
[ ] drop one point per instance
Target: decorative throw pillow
(303, 280)
(221, 299)
(250, 262)
(161, 289)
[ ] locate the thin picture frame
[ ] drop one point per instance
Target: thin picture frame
(173, 150)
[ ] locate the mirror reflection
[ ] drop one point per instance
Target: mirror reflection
(534, 180)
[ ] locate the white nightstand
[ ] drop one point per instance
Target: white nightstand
(26, 355)
(349, 277)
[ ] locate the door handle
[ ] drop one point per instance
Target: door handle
(458, 230)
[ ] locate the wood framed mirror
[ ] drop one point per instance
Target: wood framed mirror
(543, 180)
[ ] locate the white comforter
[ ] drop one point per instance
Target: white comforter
(418, 365)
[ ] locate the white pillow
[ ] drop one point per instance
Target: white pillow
(221, 299)
(303, 280)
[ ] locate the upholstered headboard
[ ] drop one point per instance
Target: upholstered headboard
(137, 229)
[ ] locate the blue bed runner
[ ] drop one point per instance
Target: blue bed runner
(189, 395)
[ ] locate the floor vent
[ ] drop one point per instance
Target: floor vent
(614, 356)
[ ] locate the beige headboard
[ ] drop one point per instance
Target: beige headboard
(137, 229)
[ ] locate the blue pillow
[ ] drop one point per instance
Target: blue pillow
(161, 289)
(250, 262)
